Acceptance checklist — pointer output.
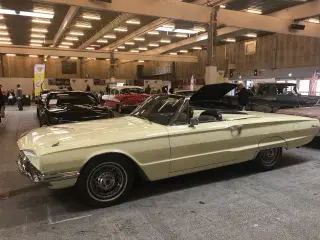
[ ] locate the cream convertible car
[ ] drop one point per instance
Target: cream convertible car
(166, 136)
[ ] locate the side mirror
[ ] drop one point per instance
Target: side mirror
(194, 122)
(105, 97)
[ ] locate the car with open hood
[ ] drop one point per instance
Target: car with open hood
(166, 136)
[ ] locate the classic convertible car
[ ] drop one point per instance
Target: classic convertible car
(166, 136)
(68, 107)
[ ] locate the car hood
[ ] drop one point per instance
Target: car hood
(313, 112)
(212, 92)
(85, 134)
(78, 108)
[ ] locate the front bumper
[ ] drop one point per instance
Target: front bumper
(27, 169)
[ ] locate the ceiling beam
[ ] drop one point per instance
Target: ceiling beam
(16, 49)
(72, 12)
(164, 8)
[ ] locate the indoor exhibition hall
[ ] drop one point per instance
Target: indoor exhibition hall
(159, 119)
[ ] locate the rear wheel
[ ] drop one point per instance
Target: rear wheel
(268, 159)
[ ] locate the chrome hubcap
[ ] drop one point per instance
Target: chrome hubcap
(106, 181)
(270, 156)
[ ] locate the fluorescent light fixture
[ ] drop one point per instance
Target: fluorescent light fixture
(33, 14)
(90, 48)
(313, 20)
(143, 48)
(62, 46)
(54, 57)
(222, 6)
(38, 35)
(35, 45)
(154, 44)
(93, 45)
(133, 21)
(254, 35)
(134, 51)
(102, 41)
(165, 41)
(43, 10)
(139, 39)
(181, 35)
(72, 38)
(33, 56)
(122, 47)
(83, 25)
(9, 43)
(199, 29)
(183, 51)
(121, 29)
(8, 11)
(67, 43)
(197, 48)
(256, 11)
(107, 59)
(169, 25)
(10, 55)
(36, 41)
(5, 39)
(173, 53)
(1, 17)
(230, 40)
(76, 33)
(141, 61)
(188, 31)
(43, 30)
(110, 36)
(4, 33)
(91, 16)
(165, 29)
(153, 33)
(116, 50)
(38, 20)
(74, 58)
(3, 27)
(129, 43)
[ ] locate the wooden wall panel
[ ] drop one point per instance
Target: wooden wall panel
(19, 67)
(96, 69)
(54, 69)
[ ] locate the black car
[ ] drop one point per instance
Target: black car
(270, 97)
(70, 107)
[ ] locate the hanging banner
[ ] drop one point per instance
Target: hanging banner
(313, 84)
(220, 77)
(39, 70)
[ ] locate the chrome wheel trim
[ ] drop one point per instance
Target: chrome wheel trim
(107, 182)
(270, 156)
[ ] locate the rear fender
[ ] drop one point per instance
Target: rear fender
(271, 142)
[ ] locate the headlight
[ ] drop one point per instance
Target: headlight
(32, 157)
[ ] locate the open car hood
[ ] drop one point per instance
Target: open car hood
(212, 92)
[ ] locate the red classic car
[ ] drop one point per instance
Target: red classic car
(125, 97)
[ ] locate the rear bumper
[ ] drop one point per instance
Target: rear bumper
(26, 168)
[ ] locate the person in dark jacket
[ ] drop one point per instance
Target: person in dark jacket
(2, 103)
(19, 97)
(148, 89)
(243, 96)
(70, 88)
(88, 89)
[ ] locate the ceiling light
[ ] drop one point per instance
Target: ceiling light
(4, 33)
(62, 46)
(121, 29)
(222, 6)
(313, 20)
(1, 17)
(134, 51)
(43, 10)
(83, 25)
(35, 45)
(74, 58)
(3, 27)
(173, 53)
(5, 42)
(197, 48)
(43, 30)
(154, 44)
(36, 41)
(181, 35)
(116, 50)
(91, 16)
(111, 36)
(139, 39)
(76, 33)
(32, 14)
(90, 48)
(165, 29)
(107, 59)
(33, 55)
(72, 38)
(230, 40)
(254, 35)
(143, 48)
(129, 43)
(141, 61)
(183, 51)
(44, 21)
(169, 25)
(165, 41)
(10, 55)
(54, 57)
(199, 29)
(38, 35)
(5, 39)
(8, 11)
(153, 33)
(93, 45)
(67, 43)
(102, 41)
(185, 31)
(122, 47)
(256, 11)
(133, 21)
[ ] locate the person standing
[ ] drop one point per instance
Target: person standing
(148, 89)
(88, 89)
(70, 88)
(243, 96)
(2, 104)
(19, 97)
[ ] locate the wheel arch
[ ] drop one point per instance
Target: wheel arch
(271, 142)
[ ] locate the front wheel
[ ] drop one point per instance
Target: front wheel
(106, 182)
(268, 159)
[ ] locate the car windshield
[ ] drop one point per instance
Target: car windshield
(72, 98)
(131, 90)
(277, 89)
(159, 109)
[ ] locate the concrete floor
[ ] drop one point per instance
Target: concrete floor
(234, 202)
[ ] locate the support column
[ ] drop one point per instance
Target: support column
(211, 72)
(112, 67)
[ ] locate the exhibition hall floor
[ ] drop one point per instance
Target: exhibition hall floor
(233, 202)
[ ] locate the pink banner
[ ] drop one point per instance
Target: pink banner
(313, 84)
